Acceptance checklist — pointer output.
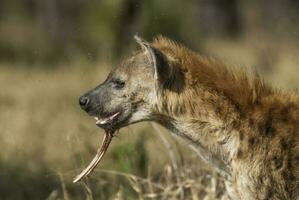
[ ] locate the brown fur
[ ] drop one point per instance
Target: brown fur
(249, 128)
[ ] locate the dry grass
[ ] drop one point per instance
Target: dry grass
(46, 139)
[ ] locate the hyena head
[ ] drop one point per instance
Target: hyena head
(130, 92)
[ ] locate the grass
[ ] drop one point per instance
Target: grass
(46, 139)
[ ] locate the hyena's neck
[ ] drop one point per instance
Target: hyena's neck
(206, 119)
(210, 112)
(208, 103)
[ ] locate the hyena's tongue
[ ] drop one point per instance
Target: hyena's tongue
(100, 153)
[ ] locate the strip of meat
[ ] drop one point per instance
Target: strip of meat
(95, 161)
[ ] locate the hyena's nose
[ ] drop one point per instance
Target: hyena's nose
(83, 101)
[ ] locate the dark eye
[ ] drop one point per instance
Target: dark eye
(117, 83)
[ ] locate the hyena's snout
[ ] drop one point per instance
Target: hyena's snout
(93, 102)
(108, 110)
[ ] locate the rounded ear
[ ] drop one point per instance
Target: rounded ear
(154, 55)
(165, 70)
(147, 47)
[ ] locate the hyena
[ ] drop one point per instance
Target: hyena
(244, 128)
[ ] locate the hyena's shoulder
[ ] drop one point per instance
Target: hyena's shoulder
(271, 140)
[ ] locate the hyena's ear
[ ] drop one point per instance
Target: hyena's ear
(154, 55)
(163, 69)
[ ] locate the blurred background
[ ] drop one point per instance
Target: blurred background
(52, 51)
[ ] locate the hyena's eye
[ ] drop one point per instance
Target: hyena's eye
(117, 83)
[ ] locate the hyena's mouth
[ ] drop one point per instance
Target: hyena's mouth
(106, 120)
